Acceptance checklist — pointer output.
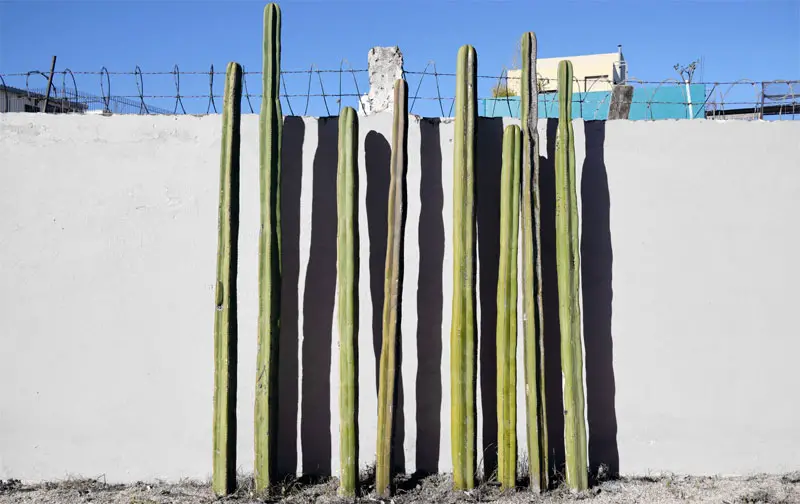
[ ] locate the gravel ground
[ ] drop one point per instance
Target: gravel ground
(760, 489)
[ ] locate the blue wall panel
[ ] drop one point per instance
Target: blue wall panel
(665, 102)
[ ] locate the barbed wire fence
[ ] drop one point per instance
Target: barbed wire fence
(323, 92)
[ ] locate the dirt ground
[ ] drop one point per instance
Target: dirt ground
(761, 489)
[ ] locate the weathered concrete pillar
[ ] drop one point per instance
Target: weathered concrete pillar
(621, 98)
(385, 67)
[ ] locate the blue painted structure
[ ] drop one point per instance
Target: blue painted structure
(649, 103)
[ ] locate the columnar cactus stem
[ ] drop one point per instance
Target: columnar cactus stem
(568, 267)
(269, 251)
(532, 310)
(507, 309)
(225, 324)
(391, 289)
(462, 330)
(347, 265)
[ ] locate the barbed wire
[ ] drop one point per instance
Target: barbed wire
(591, 97)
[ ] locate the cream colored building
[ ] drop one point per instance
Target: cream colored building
(592, 72)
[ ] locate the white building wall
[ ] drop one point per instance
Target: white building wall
(108, 231)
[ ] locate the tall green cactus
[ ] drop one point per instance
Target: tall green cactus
(462, 329)
(568, 267)
(269, 251)
(225, 324)
(532, 310)
(347, 265)
(507, 309)
(391, 288)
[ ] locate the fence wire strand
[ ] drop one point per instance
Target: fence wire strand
(211, 103)
(716, 100)
(5, 93)
(105, 94)
(285, 93)
(139, 88)
(178, 101)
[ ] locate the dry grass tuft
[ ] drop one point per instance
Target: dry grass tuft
(413, 489)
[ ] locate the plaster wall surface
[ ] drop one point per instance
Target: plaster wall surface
(108, 229)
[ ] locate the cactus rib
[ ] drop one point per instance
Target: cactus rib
(568, 267)
(462, 329)
(392, 288)
(533, 313)
(507, 309)
(225, 323)
(347, 265)
(269, 252)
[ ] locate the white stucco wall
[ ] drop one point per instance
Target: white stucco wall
(107, 259)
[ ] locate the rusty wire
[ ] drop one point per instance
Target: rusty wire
(718, 97)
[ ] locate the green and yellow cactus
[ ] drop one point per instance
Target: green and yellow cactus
(347, 266)
(462, 329)
(225, 323)
(532, 308)
(568, 267)
(269, 252)
(391, 289)
(507, 309)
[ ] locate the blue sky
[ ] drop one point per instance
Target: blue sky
(745, 39)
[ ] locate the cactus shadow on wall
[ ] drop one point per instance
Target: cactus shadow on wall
(377, 157)
(288, 365)
(597, 259)
(430, 300)
(356, 305)
(596, 287)
(488, 163)
(552, 335)
(320, 291)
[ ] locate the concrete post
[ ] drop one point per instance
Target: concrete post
(385, 67)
